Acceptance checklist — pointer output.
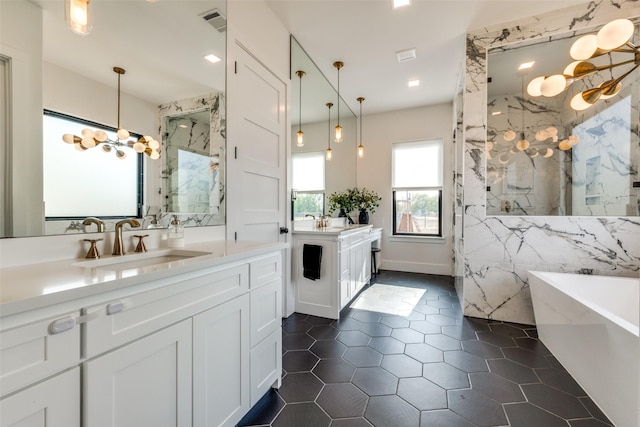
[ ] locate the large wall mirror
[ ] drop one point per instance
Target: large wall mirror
(314, 177)
(172, 90)
(574, 162)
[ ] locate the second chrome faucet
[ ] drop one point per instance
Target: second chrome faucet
(118, 245)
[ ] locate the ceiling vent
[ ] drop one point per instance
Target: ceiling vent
(406, 55)
(216, 19)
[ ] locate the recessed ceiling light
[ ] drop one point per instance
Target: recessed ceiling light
(496, 113)
(400, 3)
(406, 55)
(526, 65)
(413, 83)
(183, 126)
(212, 58)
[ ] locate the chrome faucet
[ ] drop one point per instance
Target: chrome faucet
(93, 220)
(118, 246)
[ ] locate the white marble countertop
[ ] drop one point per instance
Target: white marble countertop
(334, 231)
(33, 286)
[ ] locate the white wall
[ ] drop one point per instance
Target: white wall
(380, 131)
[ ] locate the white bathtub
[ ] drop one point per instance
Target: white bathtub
(590, 324)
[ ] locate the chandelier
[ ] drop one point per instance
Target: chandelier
(91, 139)
(613, 37)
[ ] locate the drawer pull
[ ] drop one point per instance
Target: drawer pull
(62, 325)
(115, 307)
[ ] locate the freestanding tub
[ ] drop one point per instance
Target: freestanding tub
(590, 324)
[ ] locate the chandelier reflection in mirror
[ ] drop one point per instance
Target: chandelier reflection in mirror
(91, 139)
(613, 37)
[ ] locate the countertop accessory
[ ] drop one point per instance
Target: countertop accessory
(118, 246)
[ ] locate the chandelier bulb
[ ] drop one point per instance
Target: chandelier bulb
(300, 140)
(615, 34)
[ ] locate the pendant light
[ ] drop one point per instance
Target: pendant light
(338, 65)
(78, 17)
(91, 139)
(329, 153)
(360, 147)
(300, 140)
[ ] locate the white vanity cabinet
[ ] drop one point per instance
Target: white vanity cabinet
(197, 348)
(345, 269)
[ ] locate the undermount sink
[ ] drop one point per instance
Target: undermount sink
(138, 260)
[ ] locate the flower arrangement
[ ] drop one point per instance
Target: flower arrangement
(354, 198)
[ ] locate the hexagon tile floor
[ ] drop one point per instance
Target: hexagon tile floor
(431, 368)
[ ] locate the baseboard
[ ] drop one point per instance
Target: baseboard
(417, 267)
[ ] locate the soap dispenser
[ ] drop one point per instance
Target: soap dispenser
(176, 233)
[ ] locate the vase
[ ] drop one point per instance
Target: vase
(363, 218)
(343, 214)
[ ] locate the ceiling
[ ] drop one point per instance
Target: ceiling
(366, 34)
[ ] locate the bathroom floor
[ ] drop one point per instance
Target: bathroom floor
(407, 357)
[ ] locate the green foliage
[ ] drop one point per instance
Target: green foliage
(367, 200)
(354, 198)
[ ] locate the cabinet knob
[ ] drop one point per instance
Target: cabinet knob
(115, 307)
(62, 325)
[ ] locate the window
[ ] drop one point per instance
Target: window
(417, 188)
(88, 183)
(307, 185)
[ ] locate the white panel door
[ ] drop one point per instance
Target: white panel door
(145, 383)
(257, 123)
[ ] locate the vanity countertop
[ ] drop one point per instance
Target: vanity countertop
(33, 286)
(332, 231)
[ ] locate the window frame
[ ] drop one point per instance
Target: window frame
(440, 189)
(139, 166)
(297, 193)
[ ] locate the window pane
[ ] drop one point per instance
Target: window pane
(417, 164)
(86, 183)
(308, 204)
(307, 172)
(417, 212)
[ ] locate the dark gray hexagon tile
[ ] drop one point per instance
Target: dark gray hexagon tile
(475, 324)
(425, 327)
(328, 348)
(298, 361)
(424, 310)
(532, 344)
(407, 335)
(323, 332)
(353, 338)
(363, 356)
(512, 371)
(295, 326)
(334, 370)
(594, 410)
(443, 342)
(306, 414)
(297, 341)
(444, 375)
(454, 313)
(263, 412)
(496, 387)
(366, 316)
(528, 415)
(511, 330)
(342, 400)
(395, 321)
(588, 422)
(375, 381)
(560, 380)
(391, 411)
(346, 323)
(555, 401)
(424, 353)
(466, 362)
(525, 357)
(351, 422)
(401, 365)
(441, 320)
(439, 303)
(387, 345)
(376, 329)
(482, 349)
(496, 339)
(422, 393)
(317, 321)
(459, 332)
(444, 418)
(476, 407)
(415, 315)
(300, 387)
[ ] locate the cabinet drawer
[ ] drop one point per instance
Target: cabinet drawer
(266, 365)
(356, 238)
(265, 270)
(266, 310)
(35, 351)
(144, 313)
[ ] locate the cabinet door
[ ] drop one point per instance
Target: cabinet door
(266, 310)
(52, 403)
(345, 276)
(145, 383)
(221, 364)
(266, 365)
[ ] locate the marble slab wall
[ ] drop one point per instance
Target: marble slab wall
(498, 251)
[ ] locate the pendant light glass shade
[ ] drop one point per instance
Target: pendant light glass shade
(615, 34)
(360, 146)
(329, 153)
(300, 139)
(78, 17)
(338, 136)
(584, 48)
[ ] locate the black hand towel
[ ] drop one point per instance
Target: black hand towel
(311, 261)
